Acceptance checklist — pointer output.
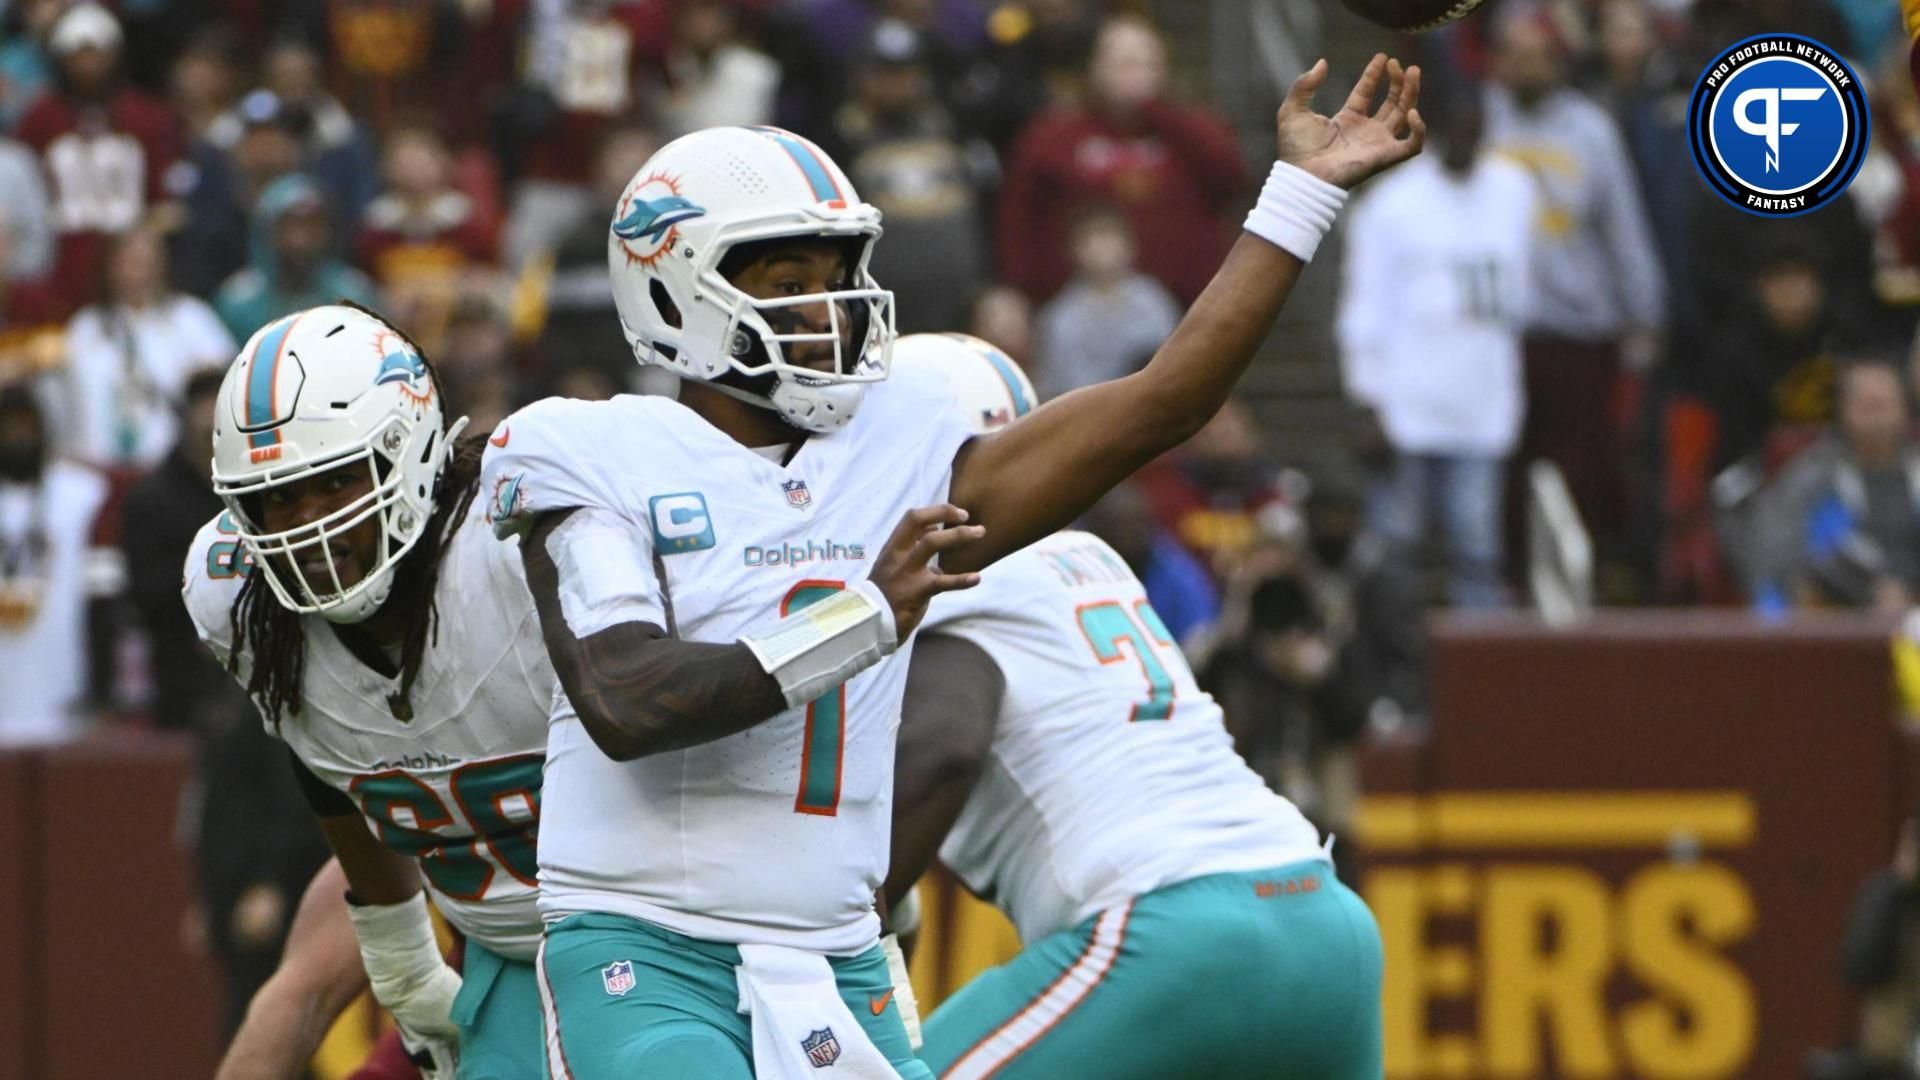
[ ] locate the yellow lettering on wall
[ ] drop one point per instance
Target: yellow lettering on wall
(1535, 993)
(1403, 901)
(1689, 977)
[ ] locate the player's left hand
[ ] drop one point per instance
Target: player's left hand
(1351, 145)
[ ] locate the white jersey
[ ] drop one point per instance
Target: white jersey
(1111, 773)
(1442, 363)
(776, 835)
(458, 785)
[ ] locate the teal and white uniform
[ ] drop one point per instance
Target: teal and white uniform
(774, 837)
(457, 786)
(1180, 919)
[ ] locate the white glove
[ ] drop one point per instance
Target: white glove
(411, 980)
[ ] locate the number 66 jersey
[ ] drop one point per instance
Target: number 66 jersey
(1111, 773)
(453, 778)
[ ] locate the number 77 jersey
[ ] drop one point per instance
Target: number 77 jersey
(1110, 773)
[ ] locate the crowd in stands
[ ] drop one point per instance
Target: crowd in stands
(1729, 401)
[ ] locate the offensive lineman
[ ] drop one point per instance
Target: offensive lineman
(353, 587)
(723, 604)
(1059, 756)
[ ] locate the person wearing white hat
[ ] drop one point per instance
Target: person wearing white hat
(105, 146)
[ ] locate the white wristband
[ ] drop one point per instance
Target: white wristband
(1295, 210)
(396, 946)
(826, 643)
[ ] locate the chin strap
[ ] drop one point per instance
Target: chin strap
(737, 394)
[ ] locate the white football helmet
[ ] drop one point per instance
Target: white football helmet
(330, 388)
(697, 198)
(987, 383)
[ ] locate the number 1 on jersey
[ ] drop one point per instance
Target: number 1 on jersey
(824, 743)
(1107, 625)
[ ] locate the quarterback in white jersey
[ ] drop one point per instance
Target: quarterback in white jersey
(1107, 813)
(354, 588)
(729, 602)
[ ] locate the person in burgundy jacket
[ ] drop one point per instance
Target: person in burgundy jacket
(105, 146)
(1173, 170)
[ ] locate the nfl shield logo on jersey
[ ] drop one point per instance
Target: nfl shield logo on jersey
(618, 976)
(798, 496)
(821, 1047)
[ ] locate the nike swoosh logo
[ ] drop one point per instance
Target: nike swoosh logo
(879, 1004)
(500, 440)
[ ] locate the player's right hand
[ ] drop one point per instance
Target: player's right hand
(1353, 144)
(425, 1019)
(908, 572)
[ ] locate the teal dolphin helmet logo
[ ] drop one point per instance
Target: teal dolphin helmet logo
(651, 218)
(645, 225)
(402, 365)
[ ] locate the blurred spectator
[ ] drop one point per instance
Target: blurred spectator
(171, 503)
(1320, 637)
(1770, 367)
(898, 145)
(475, 363)
(1110, 318)
(842, 26)
(1178, 585)
(1880, 962)
(1883, 955)
(1598, 302)
(26, 214)
(31, 337)
(1841, 525)
(422, 234)
(1438, 369)
(1644, 88)
(224, 181)
(1171, 169)
(383, 53)
(713, 78)
(582, 64)
(1209, 493)
(339, 152)
(294, 264)
(205, 82)
(130, 355)
(581, 325)
(1003, 317)
(1888, 186)
(1035, 57)
(106, 147)
(47, 509)
(255, 845)
(25, 68)
(817, 42)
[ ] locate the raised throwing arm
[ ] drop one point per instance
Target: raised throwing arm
(1039, 474)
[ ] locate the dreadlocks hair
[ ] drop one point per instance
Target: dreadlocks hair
(277, 636)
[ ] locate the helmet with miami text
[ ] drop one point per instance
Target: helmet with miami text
(330, 388)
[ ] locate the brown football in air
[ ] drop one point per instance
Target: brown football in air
(1411, 16)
